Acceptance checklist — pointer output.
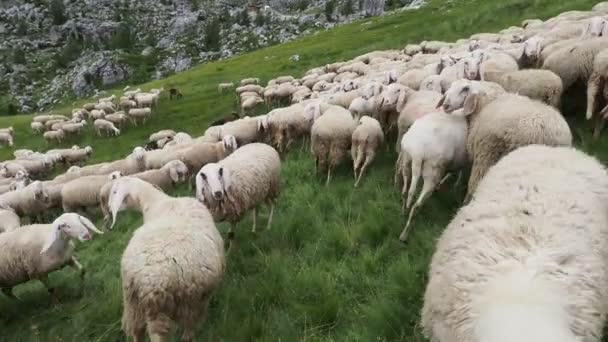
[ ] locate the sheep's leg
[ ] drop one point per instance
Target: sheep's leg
(78, 266)
(368, 160)
(444, 179)
(159, 338)
(431, 176)
(593, 88)
(458, 179)
(52, 291)
(140, 336)
(255, 214)
(328, 175)
(269, 224)
(416, 170)
(599, 126)
(8, 291)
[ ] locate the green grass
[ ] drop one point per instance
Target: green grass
(331, 268)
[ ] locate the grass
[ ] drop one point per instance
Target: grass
(331, 268)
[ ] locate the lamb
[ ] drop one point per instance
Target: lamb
(250, 104)
(250, 87)
(127, 105)
(107, 107)
(199, 154)
(499, 126)
(133, 163)
(541, 85)
(178, 234)
(83, 193)
(54, 135)
(32, 252)
(118, 119)
(9, 220)
(526, 259)
(435, 144)
(29, 201)
(6, 138)
(331, 135)
(105, 126)
(73, 128)
(167, 176)
(37, 127)
(248, 177)
(246, 130)
(97, 114)
(247, 81)
(366, 139)
(137, 114)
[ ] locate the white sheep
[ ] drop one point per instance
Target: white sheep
(6, 139)
(526, 259)
(73, 128)
(171, 174)
(139, 114)
(97, 114)
(9, 220)
(434, 145)
(32, 252)
(596, 91)
(133, 163)
(541, 85)
(106, 127)
(83, 193)
(27, 202)
(499, 124)
(223, 87)
(245, 179)
(331, 135)
(178, 234)
(118, 119)
(366, 139)
(37, 127)
(127, 105)
(250, 80)
(54, 135)
(161, 135)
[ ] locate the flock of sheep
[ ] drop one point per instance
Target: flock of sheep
(525, 259)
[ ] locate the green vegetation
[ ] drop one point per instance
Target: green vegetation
(331, 268)
(212, 34)
(57, 10)
(330, 7)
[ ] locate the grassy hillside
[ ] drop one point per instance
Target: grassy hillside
(331, 268)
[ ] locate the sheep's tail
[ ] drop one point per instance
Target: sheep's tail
(520, 305)
(360, 155)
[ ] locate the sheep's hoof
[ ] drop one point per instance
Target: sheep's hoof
(230, 235)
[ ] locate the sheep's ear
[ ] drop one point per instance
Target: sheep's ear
(118, 196)
(51, 238)
(402, 100)
(173, 174)
(441, 101)
(38, 191)
(471, 103)
(88, 224)
(225, 179)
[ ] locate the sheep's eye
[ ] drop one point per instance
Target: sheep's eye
(203, 176)
(465, 89)
(221, 172)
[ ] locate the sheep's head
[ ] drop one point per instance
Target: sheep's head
(349, 85)
(595, 27)
(446, 62)
(115, 175)
(532, 48)
(88, 150)
(463, 94)
(471, 66)
(312, 111)
(40, 192)
(230, 144)
(474, 44)
(212, 183)
(116, 196)
(178, 171)
(72, 225)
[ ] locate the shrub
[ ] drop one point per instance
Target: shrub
(18, 56)
(244, 18)
(122, 38)
(330, 6)
(212, 34)
(57, 10)
(347, 8)
(260, 19)
(70, 52)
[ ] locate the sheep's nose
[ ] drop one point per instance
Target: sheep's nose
(86, 237)
(217, 195)
(446, 106)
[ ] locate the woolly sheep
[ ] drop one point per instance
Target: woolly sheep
(9, 220)
(97, 114)
(250, 103)
(177, 232)
(172, 173)
(118, 119)
(248, 177)
(161, 134)
(366, 139)
(133, 163)
(250, 80)
(32, 252)
(6, 138)
(106, 127)
(412, 78)
(126, 105)
(37, 127)
(250, 87)
(29, 201)
(54, 135)
(246, 130)
(107, 107)
(541, 85)
(83, 193)
(179, 138)
(73, 128)
(526, 259)
(502, 125)
(137, 114)
(331, 135)
(597, 91)
(434, 144)
(411, 106)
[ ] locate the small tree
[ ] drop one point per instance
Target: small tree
(57, 10)
(122, 38)
(330, 6)
(260, 19)
(22, 28)
(244, 18)
(347, 8)
(212, 34)
(302, 5)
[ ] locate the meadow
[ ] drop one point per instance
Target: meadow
(331, 268)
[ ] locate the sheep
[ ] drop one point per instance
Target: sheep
(499, 126)
(366, 139)
(37, 127)
(411, 106)
(412, 49)
(8, 130)
(575, 61)
(247, 81)
(32, 252)
(6, 138)
(54, 135)
(596, 86)
(249, 88)
(127, 105)
(73, 128)
(145, 100)
(133, 163)
(132, 93)
(432, 83)
(344, 99)
(105, 126)
(162, 134)
(250, 104)
(118, 119)
(331, 135)
(435, 144)
(541, 85)
(8, 169)
(9, 220)
(30, 201)
(167, 176)
(137, 114)
(35, 167)
(179, 234)
(248, 177)
(526, 259)
(199, 154)
(83, 193)
(107, 99)
(97, 114)
(413, 77)
(106, 107)
(180, 138)
(246, 130)
(287, 124)
(284, 79)
(41, 118)
(489, 67)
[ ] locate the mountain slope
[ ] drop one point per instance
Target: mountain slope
(331, 268)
